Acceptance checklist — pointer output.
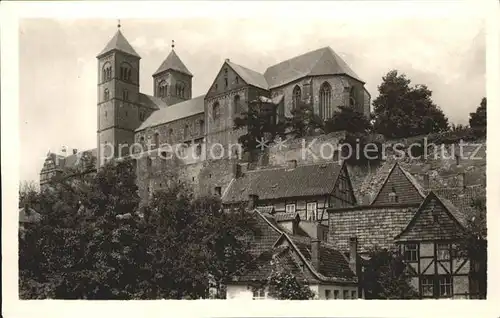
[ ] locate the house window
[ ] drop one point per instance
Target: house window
(353, 294)
(218, 191)
(259, 293)
(312, 211)
(290, 208)
(346, 294)
(445, 286)
(427, 286)
(237, 104)
(325, 101)
(328, 294)
(443, 252)
(335, 294)
(297, 96)
(106, 95)
(411, 252)
(216, 111)
(393, 198)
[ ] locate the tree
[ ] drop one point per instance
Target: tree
(283, 285)
(477, 120)
(384, 276)
(347, 119)
(303, 122)
(109, 250)
(260, 125)
(473, 243)
(404, 111)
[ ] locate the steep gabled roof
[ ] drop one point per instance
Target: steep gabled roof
(177, 111)
(173, 62)
(455, 215)
(304, 180)
(323, 61)
(396, 168)
(250, 77)
(119, 43)
(333, 265)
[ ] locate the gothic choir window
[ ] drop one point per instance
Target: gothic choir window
(297, 96)
(237, 104)
(352, 97)
(106, 95)
(216, 111)
(202, 127)
(186, 131)
(162, 89)
(325, 101)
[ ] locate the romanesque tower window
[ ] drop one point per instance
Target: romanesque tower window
(106, 95)
(325, 101)
(125, 94)
(237, 104)
(216, 111)
(297, 96)
(162, 88)
(125, 72)
(179, 89)
(106, 72)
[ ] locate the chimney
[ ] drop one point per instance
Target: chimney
(236, 170)
(292, 164)
(353, 254)
(252, 201)
(75, 151)
(228, 60)
(461, 180)
(315, 245)
(427, 184)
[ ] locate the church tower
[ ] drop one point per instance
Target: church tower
(172, 81)
(118, 98)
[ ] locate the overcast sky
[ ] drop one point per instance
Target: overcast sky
(58, 67)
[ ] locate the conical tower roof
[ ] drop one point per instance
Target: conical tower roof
(173, 62)
(119, 43)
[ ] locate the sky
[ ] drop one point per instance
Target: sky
(58, 66)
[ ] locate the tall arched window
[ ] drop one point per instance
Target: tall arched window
(156, 140)
(125, 72)
(186, 131)
(202, 127)
(216, 111)
(325, 101)
(352, 97)
(237, 104)
(297, 96)
(106, 95)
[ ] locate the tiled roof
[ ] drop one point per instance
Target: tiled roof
(304, 180)
(173, 62)
(151, 102)
(119, 42)
(283, 216)
(457, 213)
(333, 266)
(266, 209)
(177, 111)
(323, 61)
(372, 225)
(249, 76)
(71, 161)
(31, 217)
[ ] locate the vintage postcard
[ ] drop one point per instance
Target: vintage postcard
(223, 153)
